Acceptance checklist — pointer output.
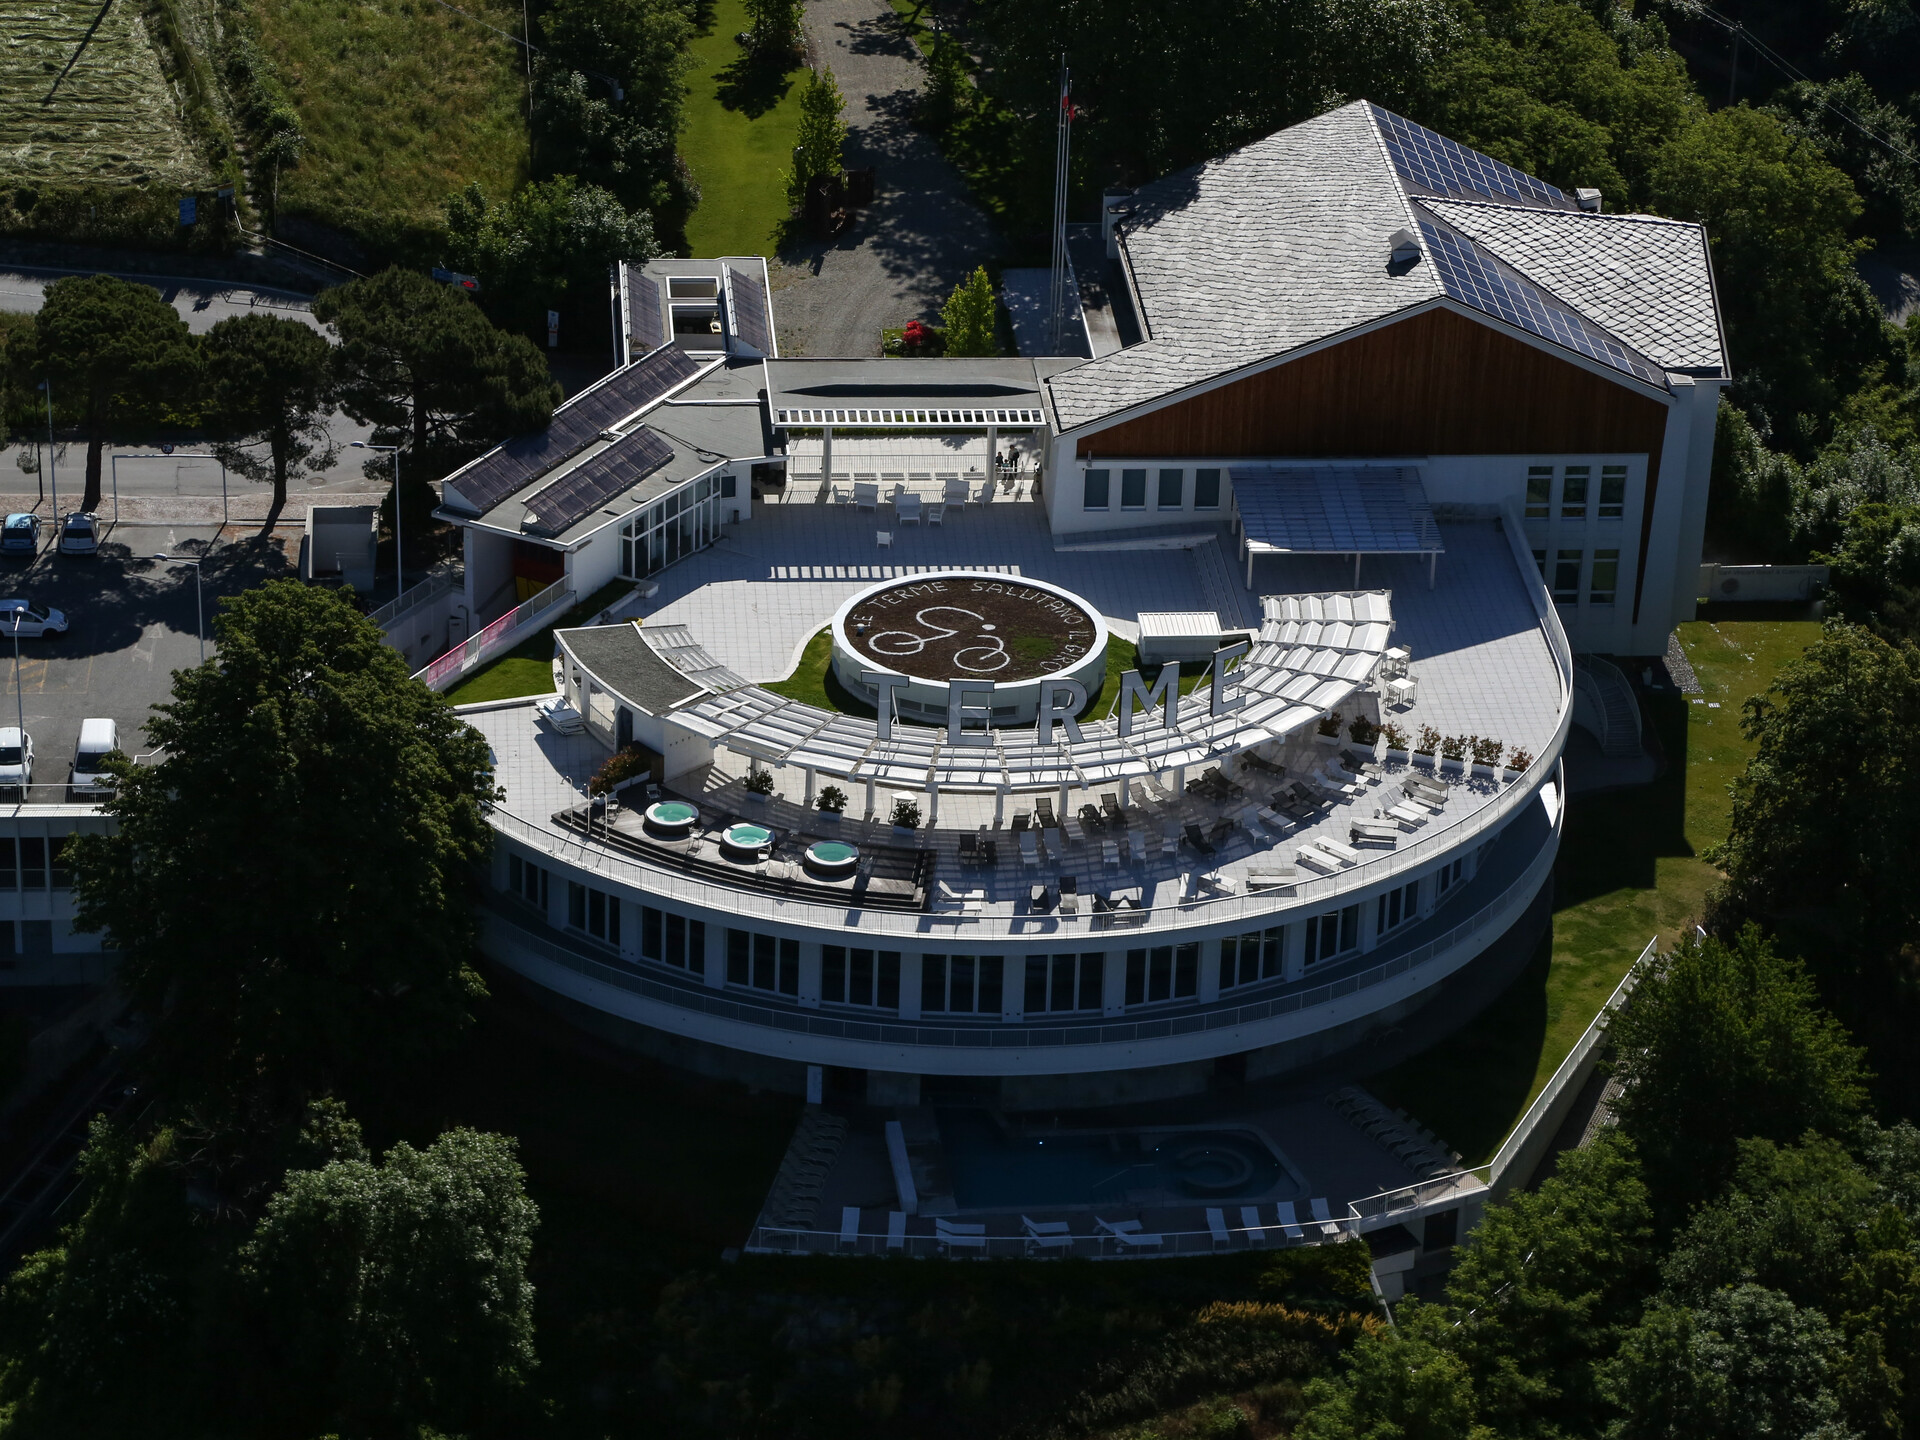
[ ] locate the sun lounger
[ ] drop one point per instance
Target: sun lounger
(1324, 1215)
(896, 1230)
(1047, 1234)
(951, 1235)
(1197, 840)
(1339, 851)
(1366, 832)
(1110, 852)
(1043, 807)
(1289, 1223)
(1070, 828)
(1250, 1222)
(1069, 896)
(850, 1225)
(1283, 879)
(1217, 1226)
(1318, 859)
(1408, 815)
(1128, 1234)
(1029, 848)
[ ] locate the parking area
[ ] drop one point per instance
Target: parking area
(131, 623)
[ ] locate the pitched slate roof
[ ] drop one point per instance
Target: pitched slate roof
(1284, 243)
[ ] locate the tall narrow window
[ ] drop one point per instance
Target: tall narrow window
(1333, 933)
(1605, 580)
(1397, 907)
(1566, 578)
(1250, 957)
(1613, 492)
(1163, 972)
(33, 863)
(1065, 982)
(1539, 492)
(1096, 493)
(1173, 488)
(1133, 489)
(1573, 492)
(1206, 489)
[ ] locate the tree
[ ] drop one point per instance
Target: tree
(269, 384)
(1886, 175)
(1725, 1039)
(552, 239)
(1857, 468)
(946, 92)
(580, 131)
(1750, 505)
(423, 364)
(287, 888)
(1875, 575)
(119, 359)
(1401, 1384)
(775, 28)
(1552, 1280)
(393, 1294)
(968, 317)
(823, 130)
(1746, 1363)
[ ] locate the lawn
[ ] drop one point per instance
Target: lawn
(110, 118)
(737, 138)
(1629, 869)
(403, 103)
(527, 669)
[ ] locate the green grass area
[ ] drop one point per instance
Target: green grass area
(110, 118)
(737, 138)
(1629, 869)
(403, 103)
(527, 669)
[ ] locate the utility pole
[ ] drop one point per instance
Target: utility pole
(1063, 144)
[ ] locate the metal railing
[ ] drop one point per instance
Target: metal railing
(787, 1240)
(479, 648)
(427, 589)
(1417, 1198)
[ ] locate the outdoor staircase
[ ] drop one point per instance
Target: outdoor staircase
(1612, 702)
(1423, 1152)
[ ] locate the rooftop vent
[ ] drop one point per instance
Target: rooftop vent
(1587, 200)
(1403, 251)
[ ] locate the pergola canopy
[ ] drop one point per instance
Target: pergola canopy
(1336, 510)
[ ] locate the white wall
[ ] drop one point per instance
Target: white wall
(594, 561)
(489, 565)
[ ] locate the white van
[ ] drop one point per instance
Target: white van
(98, 739)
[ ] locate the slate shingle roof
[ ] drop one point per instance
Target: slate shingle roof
(1284, 243)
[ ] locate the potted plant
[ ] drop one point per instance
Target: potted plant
(905, 818)
(1517, 762)
(1329, 731)
(1396, 738)
(1426, 746)
(1453, 754)
(1486, 756)
(620, 769)
(759, 785)
(831, 803)
(1363, 731)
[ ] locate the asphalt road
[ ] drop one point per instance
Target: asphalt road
(131, 622)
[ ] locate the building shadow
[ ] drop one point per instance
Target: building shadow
(1615, 839)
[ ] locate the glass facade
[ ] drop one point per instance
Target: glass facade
(674, 525)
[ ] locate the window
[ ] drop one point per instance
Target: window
(1206, 489)
(728, 487)
(62, 868)
(9, 867)
(1540, 560)
(33, 863)
(527, 880)
(1566, 578)
(1573, 492)
(1133, 489)
(1065, 982)
(1613, 492)
(1173, 489)
(1334, 933)
(1166, 972)
(1449, 875)
(672, 527)
(593, 911)
(1605, 580)
(1539, 492)
(961, 983)
(1096, 497)
(1254, 956)
(36, 937)
(763, 962)
(1398, 906)
(860, 977)
(673, 939)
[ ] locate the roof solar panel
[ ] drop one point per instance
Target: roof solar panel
(522, 460)
(645, 325)
(750, 310)
(1471, 275)
(618, 468)
(1436, 163)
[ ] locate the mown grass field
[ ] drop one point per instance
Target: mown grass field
(737, 138)
(1630, 868)
(403, 103)
(111, 117)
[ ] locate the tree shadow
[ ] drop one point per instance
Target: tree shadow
(753, 85)
(1614, 840)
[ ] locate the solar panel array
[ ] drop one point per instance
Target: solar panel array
(1469, 274)
(1336, 510)
(750, 310)
(525, 458)
(646, 327)
(1436, 163)
(616, 469)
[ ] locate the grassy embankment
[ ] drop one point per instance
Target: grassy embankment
(403, 103)
(738, 138)
(1629, 869)
(527, 669)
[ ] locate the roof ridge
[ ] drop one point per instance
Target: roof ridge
(1399, 188)
(1579, 216)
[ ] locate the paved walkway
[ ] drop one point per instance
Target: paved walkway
(903, 255)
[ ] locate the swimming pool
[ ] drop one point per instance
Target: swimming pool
(994, 1170)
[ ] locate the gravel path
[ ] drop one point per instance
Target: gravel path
(903, 255)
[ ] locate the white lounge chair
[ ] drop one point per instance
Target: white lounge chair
(1217, 1227)
(1336, 849)
(1250, 1222)
(960, 897)
(896, 1230)
(1407, 815)
(850, 1225)
(1289, 1222)
(1282, 879)
(866, 494)
(1047, 1234)
(1324, 1215)
(1317, 858)
(936, 514)
(1111, 853)
(1128, 1234)
(952, 1236)
(1029, 847)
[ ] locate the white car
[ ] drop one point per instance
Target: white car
(16, 758)
(28, 620)
(80, 535)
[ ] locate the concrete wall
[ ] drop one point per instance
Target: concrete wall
(1761, 582)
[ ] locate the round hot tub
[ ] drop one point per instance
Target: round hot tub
(832, 857)
(676, 817)
(1003, 639)
(746, 837)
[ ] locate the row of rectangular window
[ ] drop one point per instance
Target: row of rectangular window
(675, 525)
(1170, 490)
(33, 863)
(1603, 576)
(763, 962)
(1576, 486)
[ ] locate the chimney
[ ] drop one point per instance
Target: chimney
(1113, 209)
(1587, 200)
(1403, 248)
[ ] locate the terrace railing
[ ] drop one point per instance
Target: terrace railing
(502, 634)
(784, 1240)
(427, 589)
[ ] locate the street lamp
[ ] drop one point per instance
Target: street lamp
(399, 565)
(199, 610)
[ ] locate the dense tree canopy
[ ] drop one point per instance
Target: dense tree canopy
(269, 388)
(552, 240)
(970, 317)
(287, 887)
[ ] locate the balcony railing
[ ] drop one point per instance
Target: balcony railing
(501, 635)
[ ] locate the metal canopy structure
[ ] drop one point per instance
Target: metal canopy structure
(1313, 653)
(1334, 510)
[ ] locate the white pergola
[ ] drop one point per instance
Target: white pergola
(1334, 510)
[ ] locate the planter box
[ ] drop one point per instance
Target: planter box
(1397, 757)
(1511, 775)
(1332, 742)
(1452, 767)
(1483, 772)
(905, 835)
(1424, 761)
(827, 817)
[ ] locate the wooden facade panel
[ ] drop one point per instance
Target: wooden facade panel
(1435, 384)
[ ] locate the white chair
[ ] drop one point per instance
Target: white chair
(1324, 1215)
(1289, 1222)
(866, 494)
(1312, 855)
(954, 492)
(907, 508)
(1029, 848)
(1111, 852)
(985, 497)
(850, 1225)
(1128, 1234)
(1217, 1227)
(1047, 1234)
(1339, 851)
(936, 515)
(896, 1230)
(1250, 1222)
(883, 539)
(954, 1236)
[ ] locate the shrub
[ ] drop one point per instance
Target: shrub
(1429, 740)
(1454, 747)
(1519, 759)
(1396, 736)
(1330, 723)
(620, 767)
(760, 782)
(1363, 731)
(1487, 751)
(906, 815)
(833, 800)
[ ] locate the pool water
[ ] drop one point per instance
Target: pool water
(992, 1170)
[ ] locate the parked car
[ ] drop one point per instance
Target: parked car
(98, 739)
(20, 535)
(29, 620)
(16, 758)
(80, 535)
